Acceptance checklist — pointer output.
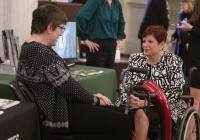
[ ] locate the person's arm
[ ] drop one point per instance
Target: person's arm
(121, 27)
(128, 79)
(103, 100)
(176, 79)
(188, 27)
(134, 102)
(83, 20)
(121, 24)
(75, 92)
(175, 35)
(48, 68)
(185, 26)
(84, 16)
(54, 72)
(195, 30)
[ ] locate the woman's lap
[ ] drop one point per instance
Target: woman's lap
(93, 121)
(195, 79)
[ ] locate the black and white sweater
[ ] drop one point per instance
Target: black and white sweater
(167, 74)
(48, 78)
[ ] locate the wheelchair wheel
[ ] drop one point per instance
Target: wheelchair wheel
(184, 130)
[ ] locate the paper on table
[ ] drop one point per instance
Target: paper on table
(118, 54)
(6, 103)
(1, 112)
(85, 72)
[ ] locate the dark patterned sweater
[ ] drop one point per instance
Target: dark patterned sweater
(47, 76)
(167, 74)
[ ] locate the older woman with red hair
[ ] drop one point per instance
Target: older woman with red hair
(165, 69)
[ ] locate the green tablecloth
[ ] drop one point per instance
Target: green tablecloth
(104, 83)
(5, 91)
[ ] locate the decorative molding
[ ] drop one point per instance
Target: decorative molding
(137, 2)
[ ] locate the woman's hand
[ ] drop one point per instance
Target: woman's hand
(92, 46)
(119, 43)
(104, 101)
(134, 102)
(185, 26)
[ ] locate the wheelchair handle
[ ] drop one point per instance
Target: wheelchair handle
(133, 69)
(138, 70)
(143, 95)
(187, 98)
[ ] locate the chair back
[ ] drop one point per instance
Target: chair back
(21, 92)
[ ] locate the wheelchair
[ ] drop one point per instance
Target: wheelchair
(150, 91)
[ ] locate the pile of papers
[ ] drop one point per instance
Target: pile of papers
(6, 103)
(85, 72)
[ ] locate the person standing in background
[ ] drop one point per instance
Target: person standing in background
(155, 14)
(193, 26)
(100, 26)
(182, 37)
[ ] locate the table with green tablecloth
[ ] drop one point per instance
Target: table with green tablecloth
(5, 91)
(105, 83)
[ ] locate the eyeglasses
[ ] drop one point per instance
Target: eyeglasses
(62, 28)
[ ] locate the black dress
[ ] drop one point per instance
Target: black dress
(194, 54)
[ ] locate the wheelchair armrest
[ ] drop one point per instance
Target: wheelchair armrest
(187, 99)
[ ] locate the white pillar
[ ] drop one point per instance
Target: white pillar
(133, 11)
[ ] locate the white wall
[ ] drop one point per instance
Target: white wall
(16, 15)
(133, 11)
